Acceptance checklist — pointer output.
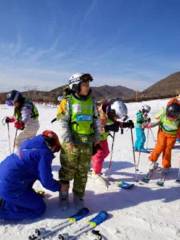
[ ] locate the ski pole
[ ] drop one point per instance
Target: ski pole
(9, 140)
(138, 163)
(112, 147)
(147, 139)
(152, 134)
(3, 120)
(178, 177)
(15, 139)
(134, 157)
(7, 123)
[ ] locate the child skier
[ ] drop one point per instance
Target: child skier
(25, 116)
(79, 132)
(141, 119)
(111, 115)
(169, 125)
(18, 172)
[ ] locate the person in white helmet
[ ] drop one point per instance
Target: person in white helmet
(112, 116)
(78, 123)
(141, 119)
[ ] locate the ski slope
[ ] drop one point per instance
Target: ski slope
(146, 212)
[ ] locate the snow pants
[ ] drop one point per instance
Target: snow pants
(98, 159)
(27, 205)
(164, 145)
(75, 166)
(30, 130)
(140, 139)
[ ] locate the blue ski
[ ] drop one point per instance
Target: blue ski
(98, 219)
(39, 235)
(125, 185)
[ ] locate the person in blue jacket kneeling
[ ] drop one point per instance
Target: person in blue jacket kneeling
(18, 172)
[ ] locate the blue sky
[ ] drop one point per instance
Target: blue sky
(132, 43)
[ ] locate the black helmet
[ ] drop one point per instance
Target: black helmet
(13, 96)
(173, 110)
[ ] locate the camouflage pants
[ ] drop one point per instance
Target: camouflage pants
(75, 166)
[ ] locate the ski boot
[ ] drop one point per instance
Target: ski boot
(64, 195)
(152, 167)
(78, 201)
(163, 176)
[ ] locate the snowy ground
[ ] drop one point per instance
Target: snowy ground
(146, 212)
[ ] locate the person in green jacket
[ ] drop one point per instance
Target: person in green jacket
(79, 132)
(25, 117)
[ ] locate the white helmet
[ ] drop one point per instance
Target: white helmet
(76, 79)
(120, 109)
(59, 98)
(145, 108)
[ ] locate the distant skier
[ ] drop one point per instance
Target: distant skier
(18, 173)
(25, 116)
(141, 119)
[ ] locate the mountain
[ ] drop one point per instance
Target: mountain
(112, 92)
(98, 92)
(103, 91)
(167, 87)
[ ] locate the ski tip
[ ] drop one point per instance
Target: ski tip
(99, 218)
(104, 212)
(125, 185)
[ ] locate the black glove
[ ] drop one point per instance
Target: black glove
(113, 127)
(128, 124)
(149, 120)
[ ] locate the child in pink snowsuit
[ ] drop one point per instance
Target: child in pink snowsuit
(103, 150)
(111, 117)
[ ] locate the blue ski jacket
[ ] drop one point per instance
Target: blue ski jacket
(18, 172)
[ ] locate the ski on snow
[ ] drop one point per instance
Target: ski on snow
(89, 226)
(40, 234)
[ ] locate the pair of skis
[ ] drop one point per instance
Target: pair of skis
(41, 234)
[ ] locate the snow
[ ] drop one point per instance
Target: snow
(146, 212)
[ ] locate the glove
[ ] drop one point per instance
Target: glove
(10, 119)
(19, 125)
(149, 120)
(128, 124)
(113, 127)
(147, 125)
